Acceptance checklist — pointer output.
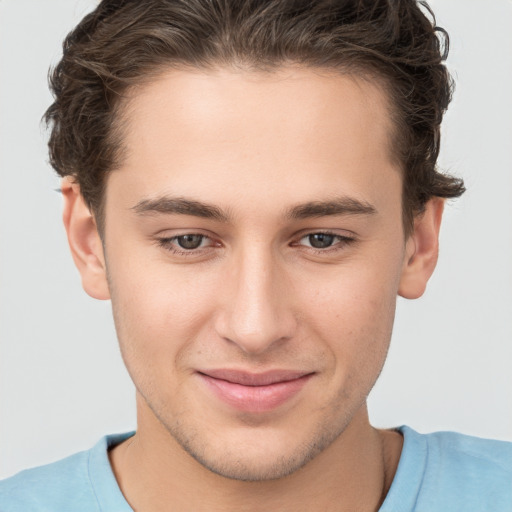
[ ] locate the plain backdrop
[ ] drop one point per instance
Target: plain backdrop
(62, 381)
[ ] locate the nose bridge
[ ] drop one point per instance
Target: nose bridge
(258, 313)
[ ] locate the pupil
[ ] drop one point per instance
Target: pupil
(321, 240)
(190, 241)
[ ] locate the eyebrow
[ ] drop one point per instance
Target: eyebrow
(312, 209)
(337, 206)
(180, 206)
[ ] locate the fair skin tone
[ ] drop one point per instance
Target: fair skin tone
(253, 251)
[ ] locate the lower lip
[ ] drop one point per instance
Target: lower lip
(255, 398)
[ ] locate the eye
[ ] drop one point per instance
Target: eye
(324, 241)
(186, 244)
(320, 240)
(189, 241)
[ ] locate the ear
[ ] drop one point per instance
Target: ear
(84, 241)
(421, 250)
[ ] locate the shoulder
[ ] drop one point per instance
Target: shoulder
(458, 472)
(83, 482)
(471, 452)
(480, 465)
(48, 487)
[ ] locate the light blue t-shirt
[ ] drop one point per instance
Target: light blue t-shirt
(440, 472)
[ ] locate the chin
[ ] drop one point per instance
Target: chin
(255, 456)
(258, 468)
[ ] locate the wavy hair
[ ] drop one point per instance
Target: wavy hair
(126, 42)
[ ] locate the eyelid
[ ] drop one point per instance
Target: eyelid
(343, 239)
(169, 244)
(346, 235)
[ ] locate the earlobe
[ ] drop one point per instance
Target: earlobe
(84, 241)
(421, 250)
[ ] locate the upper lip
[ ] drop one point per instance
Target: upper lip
(246, 378)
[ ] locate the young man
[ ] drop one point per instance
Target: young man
(252, 184)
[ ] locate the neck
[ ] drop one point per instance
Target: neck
(354, 473)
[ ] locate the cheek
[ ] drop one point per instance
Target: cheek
(354, 321)
(359, 293)
(159, 309)
(353, 314)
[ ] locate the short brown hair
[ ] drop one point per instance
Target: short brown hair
(125, 42)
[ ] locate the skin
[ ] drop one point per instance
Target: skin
(255, 295)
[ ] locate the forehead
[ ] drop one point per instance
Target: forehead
(293, 135)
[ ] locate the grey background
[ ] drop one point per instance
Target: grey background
(62, 382)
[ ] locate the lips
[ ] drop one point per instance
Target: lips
(254, 392)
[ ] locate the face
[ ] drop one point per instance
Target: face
(254, 250)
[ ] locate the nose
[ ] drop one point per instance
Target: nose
(257, 312)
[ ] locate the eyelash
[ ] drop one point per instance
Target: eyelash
(341, 242)
(168, 244)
